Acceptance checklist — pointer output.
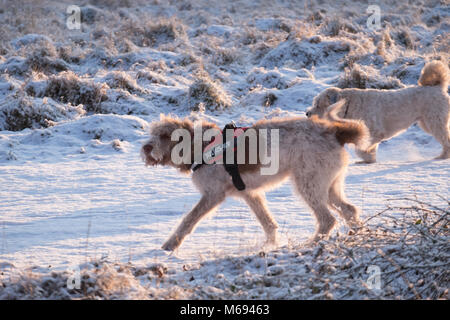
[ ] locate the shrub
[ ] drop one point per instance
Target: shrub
(224, 56)
(151, 76)
(38, 61)
(203, 89)
(68, 87)
(20, 112)
(334, 26)
(405, 39)
(151, 34)
(121, 80)
(367, 77)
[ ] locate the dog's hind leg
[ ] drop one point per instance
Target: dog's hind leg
(424, 127)
(206, 204)
(313, 187)
(369, 155)
(257, 203)
(438, 127)
(338, 201)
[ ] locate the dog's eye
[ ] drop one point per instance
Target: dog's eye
(164, 136)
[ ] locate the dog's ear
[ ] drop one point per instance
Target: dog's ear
(333, 95)
(162, 116)
(187, 124)
(332, 111)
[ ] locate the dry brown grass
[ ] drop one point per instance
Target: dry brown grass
(357, 77)
(68, 87)
(205, 90)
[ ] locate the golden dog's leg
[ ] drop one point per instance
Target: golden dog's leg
(438, 127)
(369, 155)
(206, 204)
(257, 202)
(338, 201)
(315, 193)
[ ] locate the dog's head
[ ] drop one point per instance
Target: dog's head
(167, 133)
(323, 101)
(157, 150)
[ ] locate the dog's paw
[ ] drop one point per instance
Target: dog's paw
(171, 244)
(318, 237)
(158, 253)
(271, 242)
(354, 224)
(167, 247)
(442, 157)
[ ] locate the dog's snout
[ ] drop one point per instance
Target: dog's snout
(308, 114)
(147, 148)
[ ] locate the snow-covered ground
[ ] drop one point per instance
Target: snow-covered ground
(75, 107)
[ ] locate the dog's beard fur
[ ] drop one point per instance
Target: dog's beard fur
(160, 152)
(149, 159)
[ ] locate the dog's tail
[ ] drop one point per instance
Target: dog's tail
(434, 73)
(347, 130)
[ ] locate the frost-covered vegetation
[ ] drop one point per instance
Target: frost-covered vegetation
(409, 246)
(194, 55)
(86, 95)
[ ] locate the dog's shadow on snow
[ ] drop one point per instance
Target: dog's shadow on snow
(399, 168)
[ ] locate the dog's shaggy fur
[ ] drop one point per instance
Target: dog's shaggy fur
(311, 153)
(389, 112)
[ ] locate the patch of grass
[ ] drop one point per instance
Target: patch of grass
(121, 80)
(151, 76)
(68, 87)
(40, 62)
(334, 26)
(154, 33)
(224, 56)
(205, 90)
(20, 112)
(405, 39)
(269, 100)
(366, 77)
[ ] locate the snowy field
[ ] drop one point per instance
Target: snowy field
(75, 107)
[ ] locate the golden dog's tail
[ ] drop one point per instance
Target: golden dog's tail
(434, 73)
(347, 130)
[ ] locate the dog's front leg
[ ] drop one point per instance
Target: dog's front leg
(201, 209)
(257, 202)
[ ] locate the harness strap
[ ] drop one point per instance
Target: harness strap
(195, 166)
(231, 169)
(346, 110)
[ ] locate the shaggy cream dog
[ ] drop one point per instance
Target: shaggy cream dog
(311, 154)
(389, 112)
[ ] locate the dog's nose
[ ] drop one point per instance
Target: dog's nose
(147, 148)
(308, 114)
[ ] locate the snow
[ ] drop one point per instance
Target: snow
(74, 191)
(217, 30)
(29, 39)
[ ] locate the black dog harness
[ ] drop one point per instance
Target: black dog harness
(232, 168)
(346, 110)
